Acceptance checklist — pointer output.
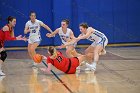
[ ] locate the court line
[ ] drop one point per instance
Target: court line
(127, 79)
(59, 79)
(117, 54)
(78, 46)
(124, 58)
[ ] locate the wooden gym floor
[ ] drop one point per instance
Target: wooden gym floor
(117, 72)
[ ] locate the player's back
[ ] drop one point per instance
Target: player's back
(60, 62)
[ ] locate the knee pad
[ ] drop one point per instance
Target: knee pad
(3, 55)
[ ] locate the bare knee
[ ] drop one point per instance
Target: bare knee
(86, 51)
(68, 53)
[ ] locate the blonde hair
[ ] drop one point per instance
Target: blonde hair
(52, 51)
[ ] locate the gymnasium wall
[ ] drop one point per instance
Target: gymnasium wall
(119, 20)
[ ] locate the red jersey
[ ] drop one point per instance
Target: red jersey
(67, 65)
(6, 35)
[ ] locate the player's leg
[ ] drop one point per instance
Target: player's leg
(33, 48)
(69, 50)
(29, 50)
(98, 48)
(2, 59)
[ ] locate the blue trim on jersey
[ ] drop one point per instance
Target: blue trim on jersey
(104, 41)
(100, 34)
(90, 39)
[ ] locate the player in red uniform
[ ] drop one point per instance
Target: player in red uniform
(7, 33)
(67, 65)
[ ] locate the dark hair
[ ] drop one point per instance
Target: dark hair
(66, 20)
(31, 12)
(10, 18)
(51, 50)
(84, 25)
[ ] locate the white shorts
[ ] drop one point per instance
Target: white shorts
(103, 42)
(35, 39)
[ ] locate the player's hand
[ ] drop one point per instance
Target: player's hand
(76, 40)
(44, 57)
(45, 70)
(71, 42)
(19, 37)
(28, 30)
(48, 35)
(62, 46)
(48, 70)
(24, 38)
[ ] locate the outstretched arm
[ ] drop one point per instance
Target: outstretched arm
(46, 27)
(53, 33)
(47, 69)
(67, 43)
(90, 30)
(72, 35)
(10, 35)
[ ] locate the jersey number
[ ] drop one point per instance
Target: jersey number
(34, 31)
(59, 59)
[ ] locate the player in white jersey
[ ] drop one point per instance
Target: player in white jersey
(33, 27)
(99, 41)
(66, 35)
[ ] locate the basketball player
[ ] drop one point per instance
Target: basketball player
(67, 65)
(33, 27)
(66, 35)
(99, 41)
(6, 34)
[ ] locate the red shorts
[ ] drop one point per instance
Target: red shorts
(73, 64)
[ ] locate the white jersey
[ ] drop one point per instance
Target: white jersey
(34, 28)
(64, 36)
(96, 36)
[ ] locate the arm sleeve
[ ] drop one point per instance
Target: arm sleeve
(8, 36)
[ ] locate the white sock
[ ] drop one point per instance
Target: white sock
(94, 63)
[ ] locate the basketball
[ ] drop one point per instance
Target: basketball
(37, 58)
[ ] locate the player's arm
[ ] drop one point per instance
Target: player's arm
(8, 35)
(67, 43)
(90, 30)
(72, 35)
(49, 67)
(72, 40)
(26, 29)
(46, 27)
(53, 33)
(81, 36)
(12, 33)
(48, 61)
